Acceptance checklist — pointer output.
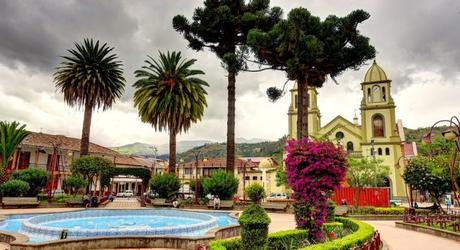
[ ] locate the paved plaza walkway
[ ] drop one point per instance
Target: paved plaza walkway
(402, 239)
(395, 238)
(120, 203)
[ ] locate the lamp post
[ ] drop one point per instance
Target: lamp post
(197, 156)
(249, 161)
(408, 194)
(451, 134)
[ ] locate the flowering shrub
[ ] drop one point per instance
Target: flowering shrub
(313, 170)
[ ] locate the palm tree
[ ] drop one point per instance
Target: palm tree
(90, 77)
(169, 96)
(11, 135)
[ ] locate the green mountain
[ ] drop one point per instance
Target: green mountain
(144, 149)
(244, 147)
(218, 150)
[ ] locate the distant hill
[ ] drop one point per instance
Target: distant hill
(144, 149)
(244, 147)
(218, 150)
(415, 135)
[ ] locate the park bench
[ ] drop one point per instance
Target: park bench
(159, 202)
(275, 205)
(224, 204)
(20, 202)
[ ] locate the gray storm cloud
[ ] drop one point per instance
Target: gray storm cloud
(413, 38)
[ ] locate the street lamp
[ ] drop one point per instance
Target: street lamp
(451, 134)
(249, 161)
(197, 154)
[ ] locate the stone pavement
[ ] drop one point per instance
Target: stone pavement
(402, 239)
(120, 203)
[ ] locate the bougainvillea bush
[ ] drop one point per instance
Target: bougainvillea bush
(313, 170)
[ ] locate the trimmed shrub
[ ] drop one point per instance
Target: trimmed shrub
(222, 184)
(230, 244)
(288, 239)
(254, 223)
(74, 183)
(35, 177)
(200, 187)
(255, 192)
(14, 188)
(276, 241)
(165, 186)
(362, 233)
(377, 211)
(330, 217)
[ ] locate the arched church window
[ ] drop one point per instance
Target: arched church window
(369, 97)
(339, 135)
(379, 151)
(387, 151)
(384, 96)
(350, 146)
(378, 126)
(376, 95)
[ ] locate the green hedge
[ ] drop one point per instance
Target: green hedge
(276, 241)
(362, 232)
(383, 211)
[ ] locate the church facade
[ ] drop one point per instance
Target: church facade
(376, 134)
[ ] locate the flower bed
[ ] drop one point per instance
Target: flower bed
(361, 234)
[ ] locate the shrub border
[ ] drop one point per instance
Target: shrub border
(362, 232)
(275, 239)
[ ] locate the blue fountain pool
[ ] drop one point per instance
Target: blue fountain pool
(97, 223)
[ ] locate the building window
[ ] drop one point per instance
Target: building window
(379, 151)
(350, 146)
(369, 97)
(378, 126)
(387, 151)
(254, 178)
(339, 135)
(295, 101)
(24, 160)
(247, 178)
(384, 96)
(187, 171)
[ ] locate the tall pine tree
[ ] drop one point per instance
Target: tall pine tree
(222, 26)
(309, 50)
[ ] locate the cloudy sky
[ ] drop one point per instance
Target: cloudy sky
(418, 44)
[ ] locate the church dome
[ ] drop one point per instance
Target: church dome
(375, 74)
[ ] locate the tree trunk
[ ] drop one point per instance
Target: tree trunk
(302, 108)
(84, 146)
(172, 152)
(356, 198)
(230, 167)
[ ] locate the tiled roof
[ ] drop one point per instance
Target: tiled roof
(64, 142)
(213, 162)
